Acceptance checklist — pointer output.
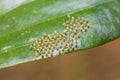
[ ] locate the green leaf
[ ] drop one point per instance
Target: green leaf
(21, 26)
(7, 5)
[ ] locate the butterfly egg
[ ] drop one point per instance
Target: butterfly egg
(42, 39)
(60, 37)
(35, 44)
(39, 51)
(73, 17)
(78, 35)
(86, 20)
(78, 18)
(74, 25)
(42, 56)
(47, 39)
(50, 38)
(69, 49)
(48, 35)
(73, 34)
(76, 28)
(68, 16)
(71, 43)
(64, 40)
(44, 47)
(73, 48)
(72, 20)
(36, 54)
(37, 41)
(62, 49)
(55, 32)
(83, 30)
(65, 32)
(63, 35)
(46, 55)
(64, 24)
(52, 41)
(45, 35)
(85, 24)
(88, 26)
(40, 48)
(60, 45)
(71, 24)
(54, 37)
(57, 47)
(81, 21)
(65, 45)
(51, 55)
(67, 28)
(31, 47)
(67, 22)
(48, 52)
(42, 44)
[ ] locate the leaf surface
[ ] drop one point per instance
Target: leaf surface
(20, 27)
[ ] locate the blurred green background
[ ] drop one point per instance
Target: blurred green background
(100, 63)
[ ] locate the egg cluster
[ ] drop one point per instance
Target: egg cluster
(58, 43)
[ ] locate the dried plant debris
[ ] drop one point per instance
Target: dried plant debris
(64, 42)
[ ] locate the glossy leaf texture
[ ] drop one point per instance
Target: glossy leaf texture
(20, 27)
(7, 5)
